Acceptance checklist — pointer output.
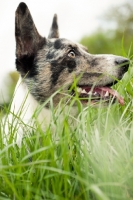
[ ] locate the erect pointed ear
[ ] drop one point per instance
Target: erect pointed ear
(54, 28)
(28, 39)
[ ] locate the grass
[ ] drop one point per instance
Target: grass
(88, 157)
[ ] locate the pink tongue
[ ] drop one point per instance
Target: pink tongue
(103, 90)
(114, 93)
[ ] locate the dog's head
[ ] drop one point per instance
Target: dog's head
(47, 64)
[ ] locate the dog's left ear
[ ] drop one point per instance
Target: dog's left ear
(28, 39)
(54, 28)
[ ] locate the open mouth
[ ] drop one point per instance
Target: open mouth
(96, 94)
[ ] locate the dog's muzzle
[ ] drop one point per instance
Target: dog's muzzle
(105, 93)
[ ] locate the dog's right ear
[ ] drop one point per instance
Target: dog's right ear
(28, 39)
(54, 33)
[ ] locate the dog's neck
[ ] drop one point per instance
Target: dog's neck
(24, 105)
(23, 109)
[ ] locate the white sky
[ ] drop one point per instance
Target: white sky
(76, 18)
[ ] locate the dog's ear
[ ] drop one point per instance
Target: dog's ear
(54, 28)
(28, 39)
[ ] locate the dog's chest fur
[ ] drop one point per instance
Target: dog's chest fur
(25, 105)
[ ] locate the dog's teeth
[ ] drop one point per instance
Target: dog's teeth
(79, 90)
(106, 94)
(83, 91)
(95, 93)
(90, 92)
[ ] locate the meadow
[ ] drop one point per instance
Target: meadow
(87, 157)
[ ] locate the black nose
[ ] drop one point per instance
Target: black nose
(123, 63)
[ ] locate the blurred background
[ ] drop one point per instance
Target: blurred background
(104, 26)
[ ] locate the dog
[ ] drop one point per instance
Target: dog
(47, 64)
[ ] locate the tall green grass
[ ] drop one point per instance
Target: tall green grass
(84, 157)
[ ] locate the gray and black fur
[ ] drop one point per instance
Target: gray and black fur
(46, 64)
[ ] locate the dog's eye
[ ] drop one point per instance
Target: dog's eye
(71, 54)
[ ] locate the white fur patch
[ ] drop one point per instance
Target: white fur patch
(24, 106)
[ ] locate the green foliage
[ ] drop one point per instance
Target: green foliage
(101, 42)
(113, 40)
(14, 77)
